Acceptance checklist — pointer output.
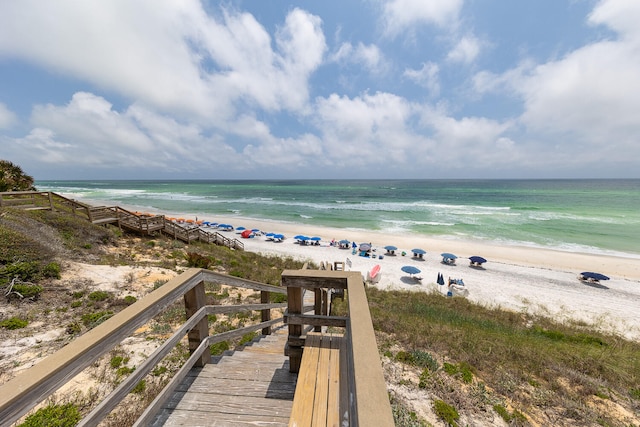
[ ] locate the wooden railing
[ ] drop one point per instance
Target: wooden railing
(367, 400)
(26, 199)
(118, 216)
(34, 385)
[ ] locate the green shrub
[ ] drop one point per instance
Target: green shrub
(424, 360)
(117, 361)
(246, 338)
(635, 393)
(219, 348)
(139, 388)
(76, 304)
(51, 270)
(26, 291)
(92, 320)
(123, 371)
(277, 298)
(159, 370)
(23, 270)
(424, 378)
(53, 416)
(405, 357)
(446, 412)
(74, 328)
(130, 299)
(14, 323)
(99, 295)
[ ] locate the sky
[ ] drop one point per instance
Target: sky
(416, 89)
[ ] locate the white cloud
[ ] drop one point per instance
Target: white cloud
(465, 51)
(168, 55)
(7, 117)
(426, 77)
(368, 56)
(620, 15)
(401, 14)
(89, 132)
(582, 108)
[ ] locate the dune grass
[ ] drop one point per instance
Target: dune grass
(534, 362)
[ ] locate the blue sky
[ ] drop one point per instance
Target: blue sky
(163, 89)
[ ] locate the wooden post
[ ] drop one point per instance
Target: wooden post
(266, 313)
(50, 200)
(193, 301)
(295, 303)
(317, 306)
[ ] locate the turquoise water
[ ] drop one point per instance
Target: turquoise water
(591, 216)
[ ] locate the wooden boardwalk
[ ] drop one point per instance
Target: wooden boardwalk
(249, 387)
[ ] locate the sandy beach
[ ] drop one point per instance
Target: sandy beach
(518, 278)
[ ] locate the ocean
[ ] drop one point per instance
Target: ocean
(587, 216)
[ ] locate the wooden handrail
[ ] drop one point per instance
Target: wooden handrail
(368, 399)
(30, 387)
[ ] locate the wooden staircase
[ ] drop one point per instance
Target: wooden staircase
(246, 387)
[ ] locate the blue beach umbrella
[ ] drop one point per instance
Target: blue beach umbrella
(594, 276)
(240, 228)
(410, 269)
(315, 238)
(391, 248)
(477, 259)
(419, 251)
(448, 255)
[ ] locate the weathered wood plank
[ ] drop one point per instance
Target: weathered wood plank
(338, 344)
(204, 419)
(302, 412)
(323, 374)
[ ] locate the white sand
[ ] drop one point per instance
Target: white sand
(519, 278)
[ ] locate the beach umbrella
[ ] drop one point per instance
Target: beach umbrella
(298, 236)
(365, 247)
(448, 255)
(241, 228)
(255, 230)
(593, 276)
(410, 269)
(315, 238)
(270, 234)
(246, 234)
(390, 248)
(477, 259)
(278, 237)
(419, 251)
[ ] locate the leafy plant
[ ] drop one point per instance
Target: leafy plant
(446, 412)
(14, 323)
(99, 295)
(219, 348)
(53, 416)
(92, 320)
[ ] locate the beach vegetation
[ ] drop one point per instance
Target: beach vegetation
(13, 178)
(99, 295)
(13, 323)
(66, 415)
(536, 361)
(446, 412)
(219, 348)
